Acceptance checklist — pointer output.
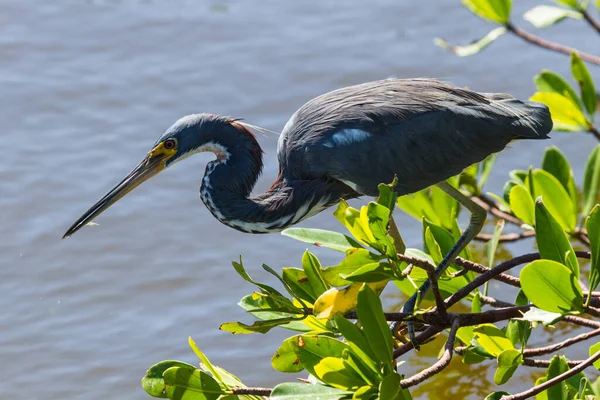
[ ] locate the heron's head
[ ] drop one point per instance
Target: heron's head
(189, 135)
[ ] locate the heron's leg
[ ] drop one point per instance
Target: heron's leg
(478, 215)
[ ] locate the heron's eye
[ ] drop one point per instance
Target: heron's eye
(170, 144)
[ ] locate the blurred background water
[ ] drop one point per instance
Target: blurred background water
(87, 87)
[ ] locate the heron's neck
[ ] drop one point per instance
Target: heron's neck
(228, 183)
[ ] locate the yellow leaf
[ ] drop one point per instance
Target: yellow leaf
(341, 300)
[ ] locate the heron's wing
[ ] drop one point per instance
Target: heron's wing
(421, 130)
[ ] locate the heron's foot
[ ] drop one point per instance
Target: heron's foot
(409, 307)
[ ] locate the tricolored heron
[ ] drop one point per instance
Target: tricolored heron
(341, 145)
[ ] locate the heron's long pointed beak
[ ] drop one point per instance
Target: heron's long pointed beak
(152, 164)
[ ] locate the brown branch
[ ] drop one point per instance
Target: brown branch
(530, 362)
(489, 206)
(557, 47)
(581, 321)
(439, 301)
(490, 301)
(255, 391)
(593, 23)
(539, 351)
(508, 237)
(594, 131)
(480, 269)
(439, 365)
(565, 375)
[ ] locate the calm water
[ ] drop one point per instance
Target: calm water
(87, 87)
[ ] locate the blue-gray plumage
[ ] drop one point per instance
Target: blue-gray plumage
(341, 145)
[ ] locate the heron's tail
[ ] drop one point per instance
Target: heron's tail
(533, 120)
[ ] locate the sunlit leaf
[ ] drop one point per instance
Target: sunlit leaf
(267, 308)
(298, 282)
(566, 114)
(358, 343)
(185, 384)
(555, 198)
(312, 268)
(389, 388)
(522, 204)
(472, 48)
(557, 165)
(497, 11)
(491, 339)
(355, 259)
(379, 218)
(570, 3)
(285, 359)
(591, 181)
(342, 300)
(154, 383)
(322, 238)
(586, 84)
(492, 245)
(256, 327)
(595, 348)
(545, 317)
(370, 315)
(553, 243)
(544, 16)
(592, 225)
(204, 360)
(338, 373)
(551, 286)
(508, 361)
(306, 391)
(548, 81)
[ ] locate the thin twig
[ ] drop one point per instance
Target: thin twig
(593, 23)
(540, 351)
(480, 269)
(439, 301)
(530, 362)
(507, 237)
(557, 47)
(581, 321)
(565, 375)
(490, 301)
(594, 131)
(439, 365)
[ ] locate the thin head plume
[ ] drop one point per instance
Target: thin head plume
(263, 131)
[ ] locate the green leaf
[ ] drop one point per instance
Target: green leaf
(338, 373)
(592, 225)
(555, 198)
(595, 348)
(497, 11)
(312, 268)
(375, 272)
(551, 286)
(521, 204)
(472, 48)
(285, 359)
(558, 365)
(586, 83)
(154, 383)
(492, 245)
(322, 238)
(267, 308)
(388, 195)
(256, 327)
(357, 341)
(491, 339)
(591, 181)
(570, 3)
(566, 114)
(355, 221)
(557, 165)
(545, 317)
(182, 383)
(204, 360)
(548, 81)
(295, 391)
(389, 388)
(418, 205)
(379, 218)
(545, 16)
(371, 317)
(508, 362)
(239, 268)
(485, 169)
(298, 282)
(552, 241)
(355, 259)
